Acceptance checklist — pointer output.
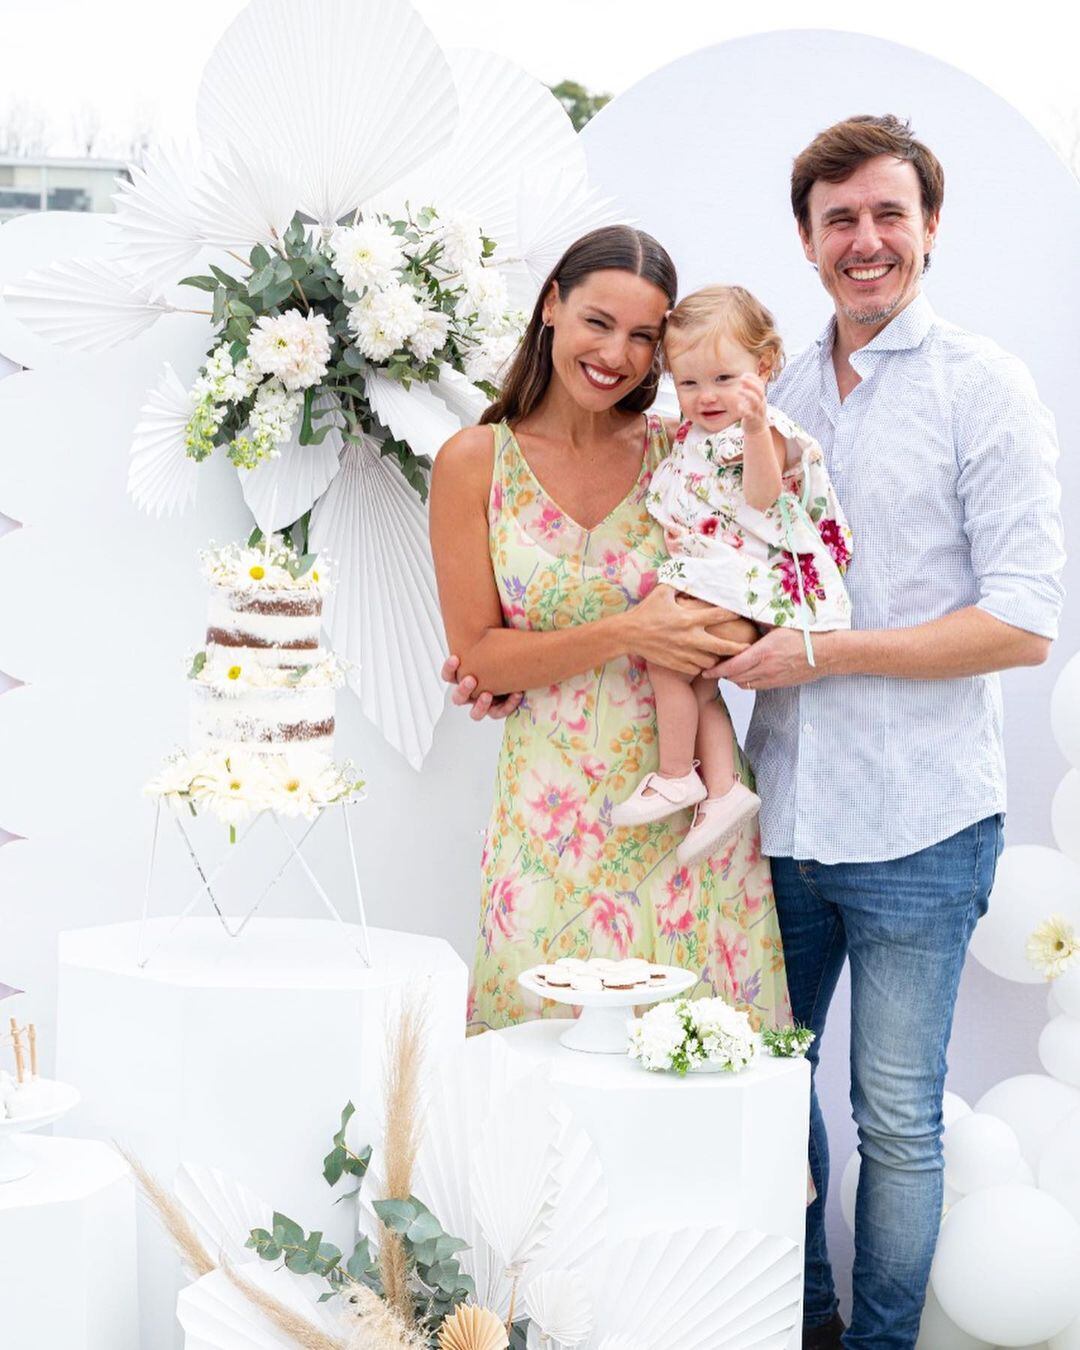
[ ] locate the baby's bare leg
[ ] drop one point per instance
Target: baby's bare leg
(676, 719)
(715, 744)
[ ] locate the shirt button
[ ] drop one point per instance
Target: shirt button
(807, 727)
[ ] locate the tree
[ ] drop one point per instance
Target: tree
(580, 105)
(24, 128)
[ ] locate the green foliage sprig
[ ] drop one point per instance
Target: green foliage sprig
(787, 1042)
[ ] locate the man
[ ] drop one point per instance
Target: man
(881, 768)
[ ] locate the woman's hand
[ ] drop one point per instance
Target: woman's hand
(676, 635)
(481, 705)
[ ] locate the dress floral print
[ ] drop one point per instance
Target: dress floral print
(557, 878)
(724, 551)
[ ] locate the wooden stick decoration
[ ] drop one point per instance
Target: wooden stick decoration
(32, 1035)
(16, 1036)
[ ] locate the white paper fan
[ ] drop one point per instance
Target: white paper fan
(383, 616)
(507, 119)
(559, 1307)
(414, 415)
(280, 490)
(342, 96)
(513, 1174)
(460, 395)
(241, 202)
(579, 1224)
(155, 216)
(215, 1315)
(621, 1343)
(714, 1288)
(162, 476)
(85, 304)
(222, 1212)
(553, 211)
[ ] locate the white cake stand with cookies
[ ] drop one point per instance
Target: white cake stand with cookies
(605, 1001)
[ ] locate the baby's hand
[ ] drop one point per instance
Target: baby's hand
(745, 399)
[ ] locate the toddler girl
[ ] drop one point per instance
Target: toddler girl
(752, 524)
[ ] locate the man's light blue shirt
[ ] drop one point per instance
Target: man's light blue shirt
(943, 460)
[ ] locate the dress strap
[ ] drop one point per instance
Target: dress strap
(504, 442)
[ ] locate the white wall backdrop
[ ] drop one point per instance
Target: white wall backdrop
(99, 604)
(700, 153)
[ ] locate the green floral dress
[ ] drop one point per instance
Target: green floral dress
(557, 878)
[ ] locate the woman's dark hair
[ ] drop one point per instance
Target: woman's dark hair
(614, 247)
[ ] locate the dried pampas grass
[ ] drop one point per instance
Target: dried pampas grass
(291, 1324)
(401, 1141)
(192, 1253)
(377, 1325)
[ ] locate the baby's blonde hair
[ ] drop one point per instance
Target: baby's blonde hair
(713, 311)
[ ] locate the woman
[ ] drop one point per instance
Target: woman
(546, 557)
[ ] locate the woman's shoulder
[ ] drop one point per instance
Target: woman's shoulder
(467, 458)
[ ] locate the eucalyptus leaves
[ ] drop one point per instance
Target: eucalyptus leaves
(318, 310)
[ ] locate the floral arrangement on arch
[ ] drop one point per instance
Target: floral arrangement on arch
(367, 216)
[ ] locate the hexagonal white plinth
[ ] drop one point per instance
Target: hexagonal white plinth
(708, 1148)
(67, 1250)
(239, 1054)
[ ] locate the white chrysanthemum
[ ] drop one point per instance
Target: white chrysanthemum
(233, 787)
(384, 320)
(490, 358)
(367, 254)
(426, 340)
(461, 242)
(656, 1037)
(484, 295)
(1053, 946)
(292, 346)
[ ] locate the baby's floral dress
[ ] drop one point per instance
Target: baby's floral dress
(557, 878)
(725, 551)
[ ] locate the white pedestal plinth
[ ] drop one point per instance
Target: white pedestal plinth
(707, 1148)
(239, 1053)
(67, 1250)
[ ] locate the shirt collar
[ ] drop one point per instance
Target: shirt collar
(906, 331)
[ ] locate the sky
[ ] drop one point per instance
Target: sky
(134, 60)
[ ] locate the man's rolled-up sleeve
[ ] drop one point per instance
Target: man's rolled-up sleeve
(1007, 451)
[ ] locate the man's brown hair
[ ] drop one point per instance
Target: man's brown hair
(834, 155)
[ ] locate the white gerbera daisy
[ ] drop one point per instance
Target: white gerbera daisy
(367, 254)
(233, 787)
(1053, 946)
(294, 347)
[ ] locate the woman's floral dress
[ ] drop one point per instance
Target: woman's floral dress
(557, 878)
(725, 551)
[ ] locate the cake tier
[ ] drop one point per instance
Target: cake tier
(262, 719)
(283, 625)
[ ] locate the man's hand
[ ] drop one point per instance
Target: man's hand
(481, 705)
(775, 661)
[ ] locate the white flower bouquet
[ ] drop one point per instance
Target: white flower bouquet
(687, 1034)
(318, 311)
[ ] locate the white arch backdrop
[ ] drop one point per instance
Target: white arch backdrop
(98, 603)
(700, 152)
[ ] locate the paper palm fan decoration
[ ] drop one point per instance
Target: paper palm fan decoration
(221, 1211)
(331, 108)
(216, 1315)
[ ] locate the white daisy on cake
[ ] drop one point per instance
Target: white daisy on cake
(292, 346)
(233, 786)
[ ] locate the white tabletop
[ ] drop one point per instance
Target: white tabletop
(539, 1041)
(269, 954)
(64, 1169)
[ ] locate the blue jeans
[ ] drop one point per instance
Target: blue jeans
(904, 925)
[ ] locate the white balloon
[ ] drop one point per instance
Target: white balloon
(937, 1332)
(1031, 884)
(1067, 990)
(952, 1108)
(1033, 1104)
(1006, 1265)
(1053, 1007)
(1059, 1049)
(1059, 1165)
(980, 1150)
(1069, 1339)
(1065, 815)
(849, 1186)
(1065, 711)
(1025, 1176)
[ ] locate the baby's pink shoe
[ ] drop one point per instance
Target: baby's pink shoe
(715, 821)
(656, 797)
